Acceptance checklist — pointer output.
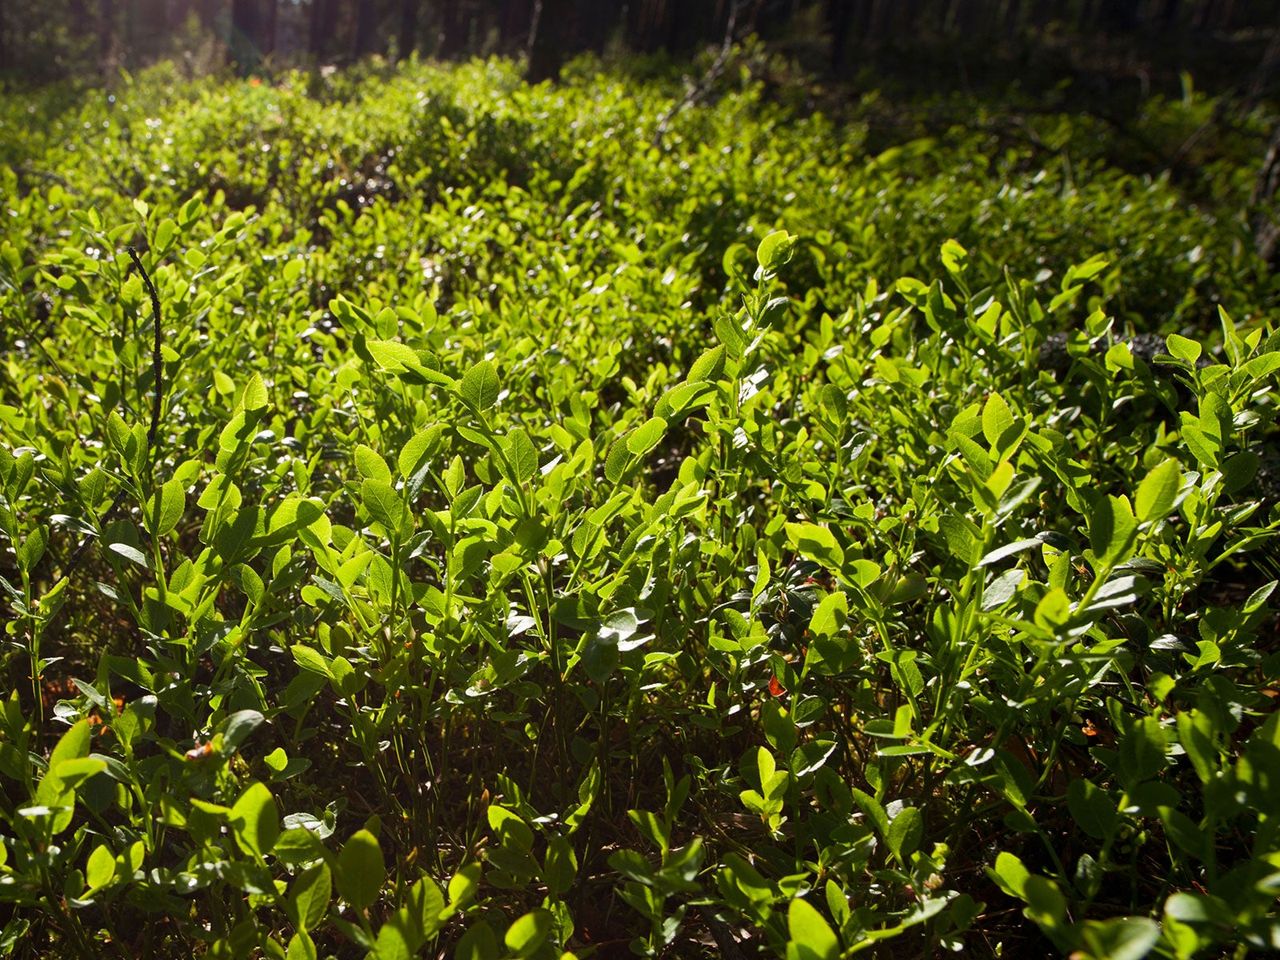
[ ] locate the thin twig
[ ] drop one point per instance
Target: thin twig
(157, 358)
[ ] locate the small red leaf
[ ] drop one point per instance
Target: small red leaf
(775, 687)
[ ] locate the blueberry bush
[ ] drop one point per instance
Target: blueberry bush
(441, 516)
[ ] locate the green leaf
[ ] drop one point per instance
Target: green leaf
(1112, 529)
(682, 398)
(1195, 734)
(1082, 272)
(310, 659)
(1008, 550)
(255, 820)
(1157, 491)
(310, 894)
(1142, 750)
(392, 355)
(101, 868)
(463, 885)
(1010, 875)
(817, 543)
(646, 436)
(708, 366)
(1045, 903)
(371, 465)
(301, 947)
(71, 745)
(835, 404)
(418, 919)
(479, 387)
(775, 250)
(53, 792)
(238, 727)
(619, 458)
(830, 615)
(130, 553)
(1183, 348)
(996, 419)
(167, 506)
(651, 826)
(1092, 809)
(254, 396)
(810, 932)
(420, 914)
(1120, 938)
(1053, 610)
(512, 831)
(954, 257)
(392, 943)
(455, 475)
(297, 845)
(811, 757)
(384, 505)
(529, 932)
(76, 771)
(416, 450)
(1203, 446)
(560, 865)
(478, 943)
(905, 831)
(1262, 366)
(1186, 834)
(873, 810)
(522, 454)
(395, 357)
(361, 870)
(1199, 908)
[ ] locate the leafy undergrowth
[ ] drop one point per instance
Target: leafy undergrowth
(538, 520)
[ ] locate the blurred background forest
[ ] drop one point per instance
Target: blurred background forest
(896, 66)
(971, 40)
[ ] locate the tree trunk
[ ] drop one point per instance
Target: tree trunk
(78, 20)
(875, 21)
(106, 34)
(681, 32)
(860, 17)
(407, 42)
(645, 27)
(269, 27)
(549, 40)
(839, 25)
(1266, 221)
(1012, 17)
(176, 12)
(453, 32)
(323, 15)
(245, 39)
(517, 20)
(963, 19)
(1087, 21)
(910, 17)
(366, 28)
(1204, 14)
(599, 21)
(1122, 15)
(208, 12)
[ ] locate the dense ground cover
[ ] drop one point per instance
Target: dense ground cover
(443, 515)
